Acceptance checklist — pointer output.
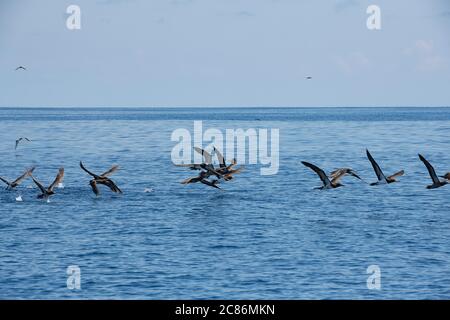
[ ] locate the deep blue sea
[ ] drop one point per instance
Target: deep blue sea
(263, 237)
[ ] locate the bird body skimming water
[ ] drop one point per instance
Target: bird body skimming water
(202, 178)
(336, 176)
(46, 193)
(19, 180)
(437, 183)
(102, 179)
(382, 179)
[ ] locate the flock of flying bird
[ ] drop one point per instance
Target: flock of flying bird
(334, 181)
(224, 172)
(207, 169)
(47, 192)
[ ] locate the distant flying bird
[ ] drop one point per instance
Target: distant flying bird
(327, 183)
(102, 179)
(382, 179)
(46, 193)
(436, 182)
(308, 78)
(19, 140)
(15, 183)
(21, 68)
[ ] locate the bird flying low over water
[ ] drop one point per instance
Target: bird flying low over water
(202, 177)
(102, 179)
(206, 165)
(21, 68)
(15, 183)
(437, 183)
(382, 179)
(19, 140)
(327, 183)
(226, 170)
(207, 169)
(48, 192)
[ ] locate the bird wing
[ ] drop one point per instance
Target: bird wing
(338, 172)
(236, 171)
(5, 181)
(376, 167)
(209, 183)
(193, 166)
(338, 175)
(319, 172)
(110, 184)
(39, 185)
(430, 168)
(17, 143)
(59, 178)
(205, 154)
(220, 158)
(87, 171)
(110, 171)
(396, 175)
(23, 176)
(93, 185)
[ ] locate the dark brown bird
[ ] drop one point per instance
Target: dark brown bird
(206, 165)
(202, 178)
(19, 180)
(436, 182)
(48, 192)
(327, 183)
(19, 140)
(224, 169)
(382, 179)
(102, 179)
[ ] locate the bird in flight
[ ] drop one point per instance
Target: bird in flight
(21, 68)
(202, 177)
(308, 78)
(206, 165)
(382, 179)
(335, 176)
(19, 140)
(46, 193)
(226, 170)
(102, 179)
(19, 180)
(436, 182)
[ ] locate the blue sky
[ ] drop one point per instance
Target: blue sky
(225, 53)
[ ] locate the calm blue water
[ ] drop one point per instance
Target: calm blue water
(265, 237)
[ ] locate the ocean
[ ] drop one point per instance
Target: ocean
(261, 237)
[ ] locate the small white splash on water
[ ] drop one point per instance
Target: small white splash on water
(61, 186)
(48, 200)
(30, 187)
(148, 190)
(19, 199)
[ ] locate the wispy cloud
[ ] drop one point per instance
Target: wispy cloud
(426, 56)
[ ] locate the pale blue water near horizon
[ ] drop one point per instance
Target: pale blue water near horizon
(264, 237)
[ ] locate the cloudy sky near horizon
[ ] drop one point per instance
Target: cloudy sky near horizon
(225, 53)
